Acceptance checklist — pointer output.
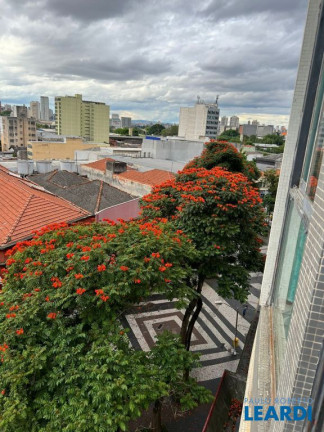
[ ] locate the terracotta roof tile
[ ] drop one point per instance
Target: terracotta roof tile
(25, 207)
(151, 178)
(99, 164)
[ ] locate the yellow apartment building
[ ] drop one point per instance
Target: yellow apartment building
(74, 116)
(47, 150)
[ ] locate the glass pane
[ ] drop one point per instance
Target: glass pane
(290, 258)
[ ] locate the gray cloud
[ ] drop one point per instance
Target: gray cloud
(149, 57)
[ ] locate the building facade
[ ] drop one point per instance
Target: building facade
(53, 150)
(44, 108)
(199, 122)
(287, 358)
(34, 110)
(87, 119)
(234, 122)
(17, 131)
(126, 122)
(262, 131)
(115, 121)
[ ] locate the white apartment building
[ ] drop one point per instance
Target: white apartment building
(287, 362)
(200, 121)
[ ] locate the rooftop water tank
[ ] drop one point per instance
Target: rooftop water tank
(25, 167)
(44, 166)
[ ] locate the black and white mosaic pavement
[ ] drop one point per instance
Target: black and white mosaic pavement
(214, 331)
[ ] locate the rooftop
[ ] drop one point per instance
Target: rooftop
(150, 177)
(27, 207)
(91, 196)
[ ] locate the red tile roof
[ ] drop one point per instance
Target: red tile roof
(25, 207)
(151, 178)
(99, 164)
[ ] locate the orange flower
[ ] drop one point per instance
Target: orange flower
(124, 268)
(104, 298)
(69, 255)
(3, 392)
(99, 292)
(85, 258)
(20, 331)
(47, 299)
(101, 267)
(80, 291)
(52, 315)
(137, 281)
(78, 276)
(162, 269)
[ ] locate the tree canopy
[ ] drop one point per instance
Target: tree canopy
(155, 129)
(66, 361)
(171, 131)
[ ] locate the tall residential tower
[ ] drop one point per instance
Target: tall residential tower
(87, 119)
(200, 121)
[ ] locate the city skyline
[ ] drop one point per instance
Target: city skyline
(160, 59)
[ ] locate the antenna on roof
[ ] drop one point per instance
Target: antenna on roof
(198, 99)
(216, 101)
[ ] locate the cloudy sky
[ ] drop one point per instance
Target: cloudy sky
(146, 58)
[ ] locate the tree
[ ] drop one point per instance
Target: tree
(273, 139)
(224, 154)
(122, 131)
(230, 133)
(271, 180)
(171, 131)
(66, 363)
(221, 212)
(155, 129)
(5, 113)
(171, 359)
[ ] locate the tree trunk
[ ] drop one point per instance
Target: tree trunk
(198, 304)
(192, 323)
(185, 320)
(156, 420)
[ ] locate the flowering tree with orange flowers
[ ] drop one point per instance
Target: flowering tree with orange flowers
(66, 363)
(224, 154)
(222, 213)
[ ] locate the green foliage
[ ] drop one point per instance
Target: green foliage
(222, 213)
(229, 133)
(273, 139)
(122, 131)
(171, 358)
(224, 154)
(171, 131)
(271, 180)
(66, 363)
(5, 113)
(155, 129)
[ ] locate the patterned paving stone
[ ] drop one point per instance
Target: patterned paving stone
(214, 330)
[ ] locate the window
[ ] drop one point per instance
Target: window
(290, 258)
(314, 150)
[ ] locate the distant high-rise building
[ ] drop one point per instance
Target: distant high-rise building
(115, 121)
(16, 131)
(200, 121)
(234, 122)
(255, 122)
(51, 114)
(44, 108)
(126, 122)
(34, 109)
(224, 121)
(19, 111)
(76, 117)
